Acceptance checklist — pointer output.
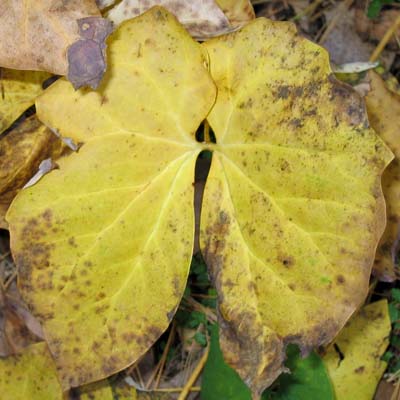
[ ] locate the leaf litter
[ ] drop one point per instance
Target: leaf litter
(199, 336)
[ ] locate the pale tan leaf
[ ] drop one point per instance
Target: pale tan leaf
(35, 34)
(202, 18)
(238, 11)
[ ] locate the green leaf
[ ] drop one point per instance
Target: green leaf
(212, 300)
(198, 266)
(219, 380)
(395, 342)
(308, 379)
(393, 312)
(196, 318)
(387, 356)
(395, 293)
(374, 8)
(200, 338)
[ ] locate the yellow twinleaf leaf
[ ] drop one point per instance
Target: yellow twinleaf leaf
(383, 108)
(32, 375)
(172, 112)
(201, 18)
(22, 150)
(36, 34)
(362, 343)
(18, 90)
(104, 243)
(293, 207)
(29, 375)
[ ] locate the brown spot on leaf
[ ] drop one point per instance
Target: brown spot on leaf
(287, 261)
(283, 92)
(100, 296)
(340, 279)
(96, 346)
(350, 105)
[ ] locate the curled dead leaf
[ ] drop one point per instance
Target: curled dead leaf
(22, 150)
(385, 266)
(18, 91)
(383, 108)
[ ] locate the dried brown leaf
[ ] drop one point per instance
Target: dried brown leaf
(373, 30)
(36, 35)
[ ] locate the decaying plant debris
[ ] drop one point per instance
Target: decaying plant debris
(292, 214)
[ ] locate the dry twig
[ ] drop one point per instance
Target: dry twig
(195, 374)
(385, 40)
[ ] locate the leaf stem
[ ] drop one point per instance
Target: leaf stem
(207, 137)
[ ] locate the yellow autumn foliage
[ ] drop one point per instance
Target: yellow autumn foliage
(291, 216)
(29, 375)
(293, 207)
